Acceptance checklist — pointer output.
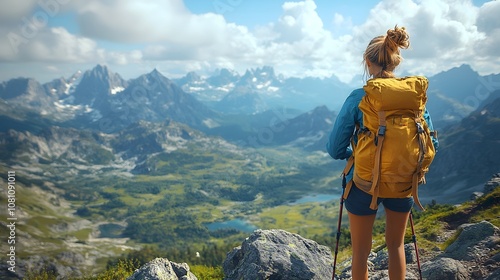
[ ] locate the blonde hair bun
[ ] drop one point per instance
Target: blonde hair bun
(397, 37)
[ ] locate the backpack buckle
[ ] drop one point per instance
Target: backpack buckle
(381, 130)
(420, 128)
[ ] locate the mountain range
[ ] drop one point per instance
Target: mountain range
(105, 101)
(259, 108)
(261, 89)
(468, 153)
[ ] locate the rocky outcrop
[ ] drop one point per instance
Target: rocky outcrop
(474, 242)
(163, 269)
(277, 254)
(473, 255)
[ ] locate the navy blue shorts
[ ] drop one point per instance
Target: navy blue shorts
(358, 203)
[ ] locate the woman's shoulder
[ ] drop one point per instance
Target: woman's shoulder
(356, 95)
(358, 91)
(352, 101)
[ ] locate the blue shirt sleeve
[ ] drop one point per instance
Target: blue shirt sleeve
(338, 145)
(434, 138)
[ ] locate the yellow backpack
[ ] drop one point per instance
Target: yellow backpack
(394, 149)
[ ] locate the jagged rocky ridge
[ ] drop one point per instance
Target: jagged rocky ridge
(101, 100)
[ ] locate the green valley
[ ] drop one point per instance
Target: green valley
(168, 204)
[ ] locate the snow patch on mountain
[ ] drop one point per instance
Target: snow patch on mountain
(117, 89)
(210, 123)
(72, 82)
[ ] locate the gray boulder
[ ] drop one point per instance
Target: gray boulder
(380, 260)
(277, 254)
(410, 254)
(474, 242)
(163, 269)
(444, 269)
(471, 256)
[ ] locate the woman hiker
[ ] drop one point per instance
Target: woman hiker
(380, 58)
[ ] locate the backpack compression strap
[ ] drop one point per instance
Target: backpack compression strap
(348, 166)
(418, 171)
(417, 175)
(379, 141)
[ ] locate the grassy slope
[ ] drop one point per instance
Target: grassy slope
(437, 226)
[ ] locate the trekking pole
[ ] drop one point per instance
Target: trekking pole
(414, 238)
(339, 224)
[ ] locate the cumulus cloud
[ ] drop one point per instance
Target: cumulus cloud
(167, 29)
(489, 24)
(443, 34)
(298, 43)
(487, 19)
(12, 12)
(147, 22)
(443, 29)
(299, 22)
(57, 45)
(46, 44)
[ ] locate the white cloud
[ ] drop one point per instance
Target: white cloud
(443, 34)
(296, 38)
(147, 22)
(47, 44)
(299, 45)
(299, 22)
(488, 23)
(167, 29)
(487, 19)
(12, 12)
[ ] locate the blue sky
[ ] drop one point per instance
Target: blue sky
(261, 12)
(48, 39)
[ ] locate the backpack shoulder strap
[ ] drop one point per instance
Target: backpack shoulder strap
(349, 164)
